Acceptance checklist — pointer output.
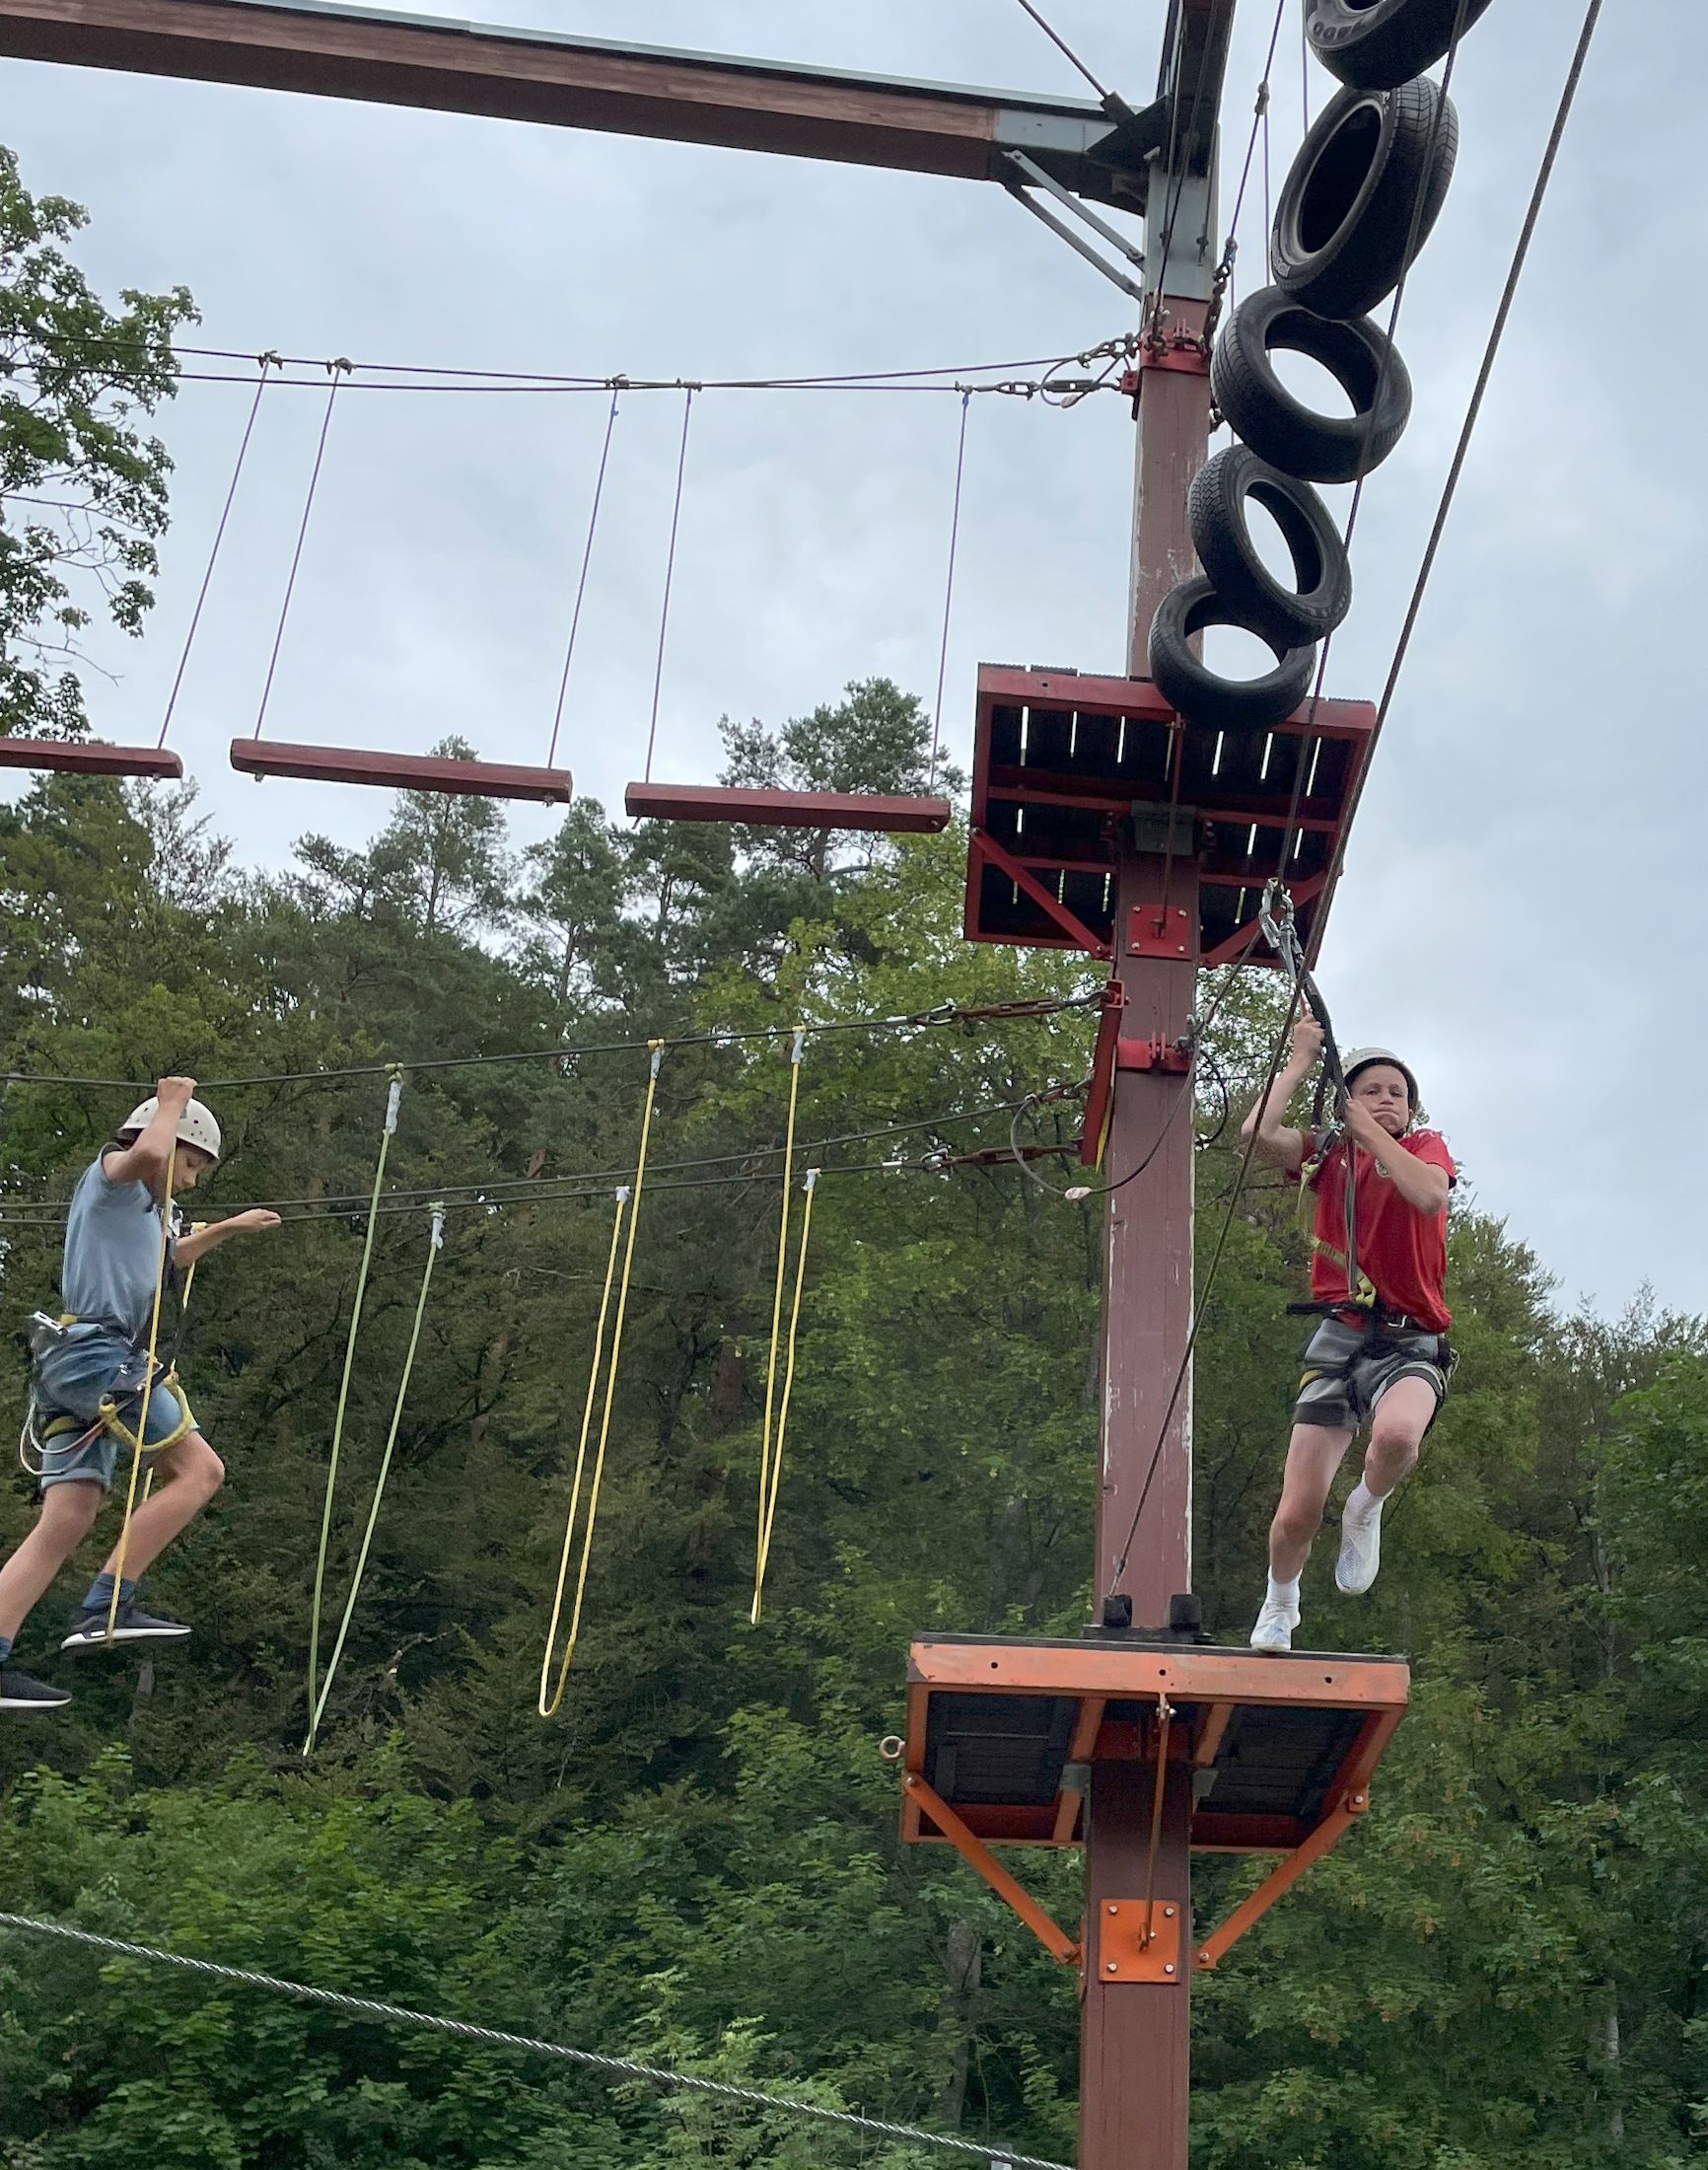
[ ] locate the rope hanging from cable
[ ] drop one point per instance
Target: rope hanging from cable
(339, 370)
(770, 1465)
(949, 590)
(394, 1094)
(548, 1708)
(581, 585)
(434, 1241)
(669, 572)
(267, 361)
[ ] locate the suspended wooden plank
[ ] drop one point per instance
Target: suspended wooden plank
(692, 802)
(401, 771)
(88, 757)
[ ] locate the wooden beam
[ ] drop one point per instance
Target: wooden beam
(88, 757)
(466, 779)
(694, 802)
(332, 50)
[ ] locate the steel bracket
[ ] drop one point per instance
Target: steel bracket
(1055, 1940)
(1152, 931)
(1126, 1952)
(1173, 1057)
(1284, 1875)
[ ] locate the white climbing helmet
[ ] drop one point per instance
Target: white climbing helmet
(1361, 1058)
(195, 1126)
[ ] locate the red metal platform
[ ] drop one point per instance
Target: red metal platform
(1061, 760)
(1002, 1735)
(692, 802)
(89, 757)
(401, 771)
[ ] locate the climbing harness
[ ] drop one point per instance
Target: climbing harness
(141, 1432)
(393, 1095)
(624, 1198)
(435, 1243)
(770, 1503)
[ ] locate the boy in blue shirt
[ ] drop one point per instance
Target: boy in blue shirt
(112, 1257)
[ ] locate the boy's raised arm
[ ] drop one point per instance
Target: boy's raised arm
(144, 1159)
(1279, 1140)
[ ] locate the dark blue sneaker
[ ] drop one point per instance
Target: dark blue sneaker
(87, 1630)
(17, 1691)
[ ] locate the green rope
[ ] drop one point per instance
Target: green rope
(434, 1241)
(386, 1136)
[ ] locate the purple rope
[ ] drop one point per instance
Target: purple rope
(948, 587)
(302, 532)
(213, 555)
(581, 589)
(670, 569)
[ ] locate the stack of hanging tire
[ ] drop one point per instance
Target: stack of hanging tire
(1358, 203)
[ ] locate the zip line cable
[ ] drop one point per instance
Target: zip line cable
(948, 586)
(670, 573)
(581, 585)
(1450, 491)
(944, 1013)
(387, 1132)
(1061, 45)
(640, 1172)
(301, 537)
(265, 361)
(622, 2068)
(434, 1241)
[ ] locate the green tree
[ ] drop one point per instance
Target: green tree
(82, 491)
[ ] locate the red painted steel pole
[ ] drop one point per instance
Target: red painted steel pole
(1134, 2046)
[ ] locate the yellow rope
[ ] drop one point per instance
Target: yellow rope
(658, 1055)
(764, 1558)
(434, 1241)
(549, 1709)
(147, 1391)
(195, 1229)
(392, 1099)
(777, 1314)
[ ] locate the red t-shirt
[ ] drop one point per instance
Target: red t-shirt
(1401, 1250)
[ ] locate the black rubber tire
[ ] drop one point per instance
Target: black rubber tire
(1378, 44)
(1347, 204)
(1211, 703)
(1250, 396)
(1321, 593)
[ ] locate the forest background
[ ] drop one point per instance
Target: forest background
(696, 1860)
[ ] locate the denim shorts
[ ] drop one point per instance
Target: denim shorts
(90, 1364)
(1349, 1368)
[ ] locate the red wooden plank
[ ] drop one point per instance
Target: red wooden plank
(691, 802)
(401, 771)
(88, 757)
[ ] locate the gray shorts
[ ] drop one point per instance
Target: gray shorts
(1349, 1368)
(71, 1382)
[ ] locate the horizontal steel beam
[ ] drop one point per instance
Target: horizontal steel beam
(332, 51)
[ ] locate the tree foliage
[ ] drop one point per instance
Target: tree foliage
(697, 1859)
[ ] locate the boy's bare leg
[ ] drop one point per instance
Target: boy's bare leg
(1396, 1429)
(185, 1478)
(1313, 1454)
(68, 1513)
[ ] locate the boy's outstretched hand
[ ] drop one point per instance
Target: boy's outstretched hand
(1307, 1039)
(258, 1217)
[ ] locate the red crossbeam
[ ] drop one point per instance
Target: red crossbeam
(401, 771)
(694, 802)
(88, 757)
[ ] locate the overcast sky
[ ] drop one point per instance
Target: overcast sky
(1523, 900)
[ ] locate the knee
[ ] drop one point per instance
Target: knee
(1295, 1524)
(70, 1510)
(206, 1470)
(1395, 1446)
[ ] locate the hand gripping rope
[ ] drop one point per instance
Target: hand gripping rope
(549, 1708)
(435, 1244)
(147, 1391)
(393, 1096)
(1275, 917)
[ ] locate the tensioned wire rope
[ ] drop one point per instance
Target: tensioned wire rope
(1449, 489)
(498, 2037)
(941, 1014)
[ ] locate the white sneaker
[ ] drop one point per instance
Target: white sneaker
(1275, 1626)
(1359, 1550)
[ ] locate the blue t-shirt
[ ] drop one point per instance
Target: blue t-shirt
(112, 1253)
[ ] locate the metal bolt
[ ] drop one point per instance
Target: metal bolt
(1114, 1908)
(1113, 1966)
(1168, 1968)
(1168, 1914)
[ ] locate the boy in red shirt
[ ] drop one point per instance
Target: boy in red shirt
(1380, 1351)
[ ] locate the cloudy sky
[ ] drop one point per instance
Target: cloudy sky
(1523, 899)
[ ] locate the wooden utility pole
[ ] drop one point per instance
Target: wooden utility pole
(1135, 2059)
